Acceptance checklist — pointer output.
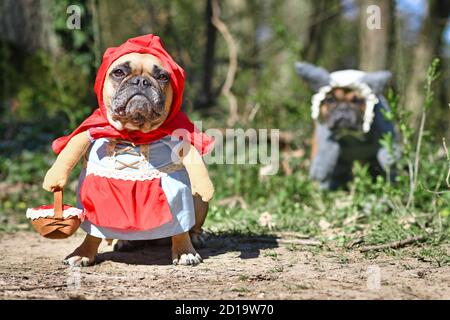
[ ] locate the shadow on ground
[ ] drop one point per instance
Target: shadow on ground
(157, 252)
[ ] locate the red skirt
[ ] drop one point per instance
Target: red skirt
(124, 204)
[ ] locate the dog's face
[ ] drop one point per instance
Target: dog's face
(343, 110)
(137, 93)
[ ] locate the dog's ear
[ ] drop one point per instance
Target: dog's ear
(316, 77)
(377, 80)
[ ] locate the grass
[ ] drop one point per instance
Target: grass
(339, 216)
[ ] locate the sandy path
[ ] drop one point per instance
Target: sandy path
(30, 267)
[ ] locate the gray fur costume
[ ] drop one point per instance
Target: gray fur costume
(332, 165)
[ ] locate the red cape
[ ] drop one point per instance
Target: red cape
(101, 128)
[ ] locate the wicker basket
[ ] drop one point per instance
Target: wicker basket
(57, 221)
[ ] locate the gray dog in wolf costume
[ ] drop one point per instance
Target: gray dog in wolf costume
(349, 124)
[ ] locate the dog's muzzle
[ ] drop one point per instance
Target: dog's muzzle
(138, 102)
(344, 117)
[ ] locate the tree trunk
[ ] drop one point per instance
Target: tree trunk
(375, 45)
(27, 24)
(322, 11)
(428, 47)
(206, 97)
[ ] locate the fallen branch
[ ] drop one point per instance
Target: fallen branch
(354, 242)
(291, 234)
(393, 245)
(302, 242)
(33, 288)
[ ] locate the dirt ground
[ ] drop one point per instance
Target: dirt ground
(233, 268)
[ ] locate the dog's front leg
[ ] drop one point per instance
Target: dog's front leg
(58, 174)
(198, 237)
(326, 156)
(201, 187)
(183, 252)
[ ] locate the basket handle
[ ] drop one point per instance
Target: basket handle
(58, 203)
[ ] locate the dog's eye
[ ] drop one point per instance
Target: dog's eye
(357, 101)
(119, 73)
(162, 77)
(330, 100)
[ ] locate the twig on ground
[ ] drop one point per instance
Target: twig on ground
(292, 235)
(33, 288)
(393, 245)
(355, 242)
(302, 242)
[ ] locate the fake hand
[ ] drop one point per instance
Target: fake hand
(57, 176)
(203, 187)
(55, 179)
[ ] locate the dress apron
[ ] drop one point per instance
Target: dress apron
(118, 194)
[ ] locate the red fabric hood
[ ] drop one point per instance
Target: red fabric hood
(98, 124)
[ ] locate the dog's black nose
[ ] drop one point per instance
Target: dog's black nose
(140, 81)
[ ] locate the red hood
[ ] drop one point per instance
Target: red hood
(149, 44)
(98, 124)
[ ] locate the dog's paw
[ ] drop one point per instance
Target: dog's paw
(78, 261)
(183, 253)
(198, 239)
(186, 259)
(85, 254)
(78, 258)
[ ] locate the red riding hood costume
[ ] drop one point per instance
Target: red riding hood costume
(132, 204)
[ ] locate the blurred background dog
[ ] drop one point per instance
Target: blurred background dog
(347, 110)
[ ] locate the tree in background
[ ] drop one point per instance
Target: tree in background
(207, 96)
(27, 24)
(376, 45)
(429, 45)
(323, 17)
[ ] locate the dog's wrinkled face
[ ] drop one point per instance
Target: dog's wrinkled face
(137, 93)
(343, 110)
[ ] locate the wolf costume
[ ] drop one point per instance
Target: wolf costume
(332, 164)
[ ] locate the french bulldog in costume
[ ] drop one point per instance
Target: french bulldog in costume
(347, 111)
(142, 156)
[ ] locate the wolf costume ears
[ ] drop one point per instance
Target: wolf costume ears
(318, 77)
(377, 80)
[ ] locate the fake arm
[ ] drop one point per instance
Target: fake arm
(326, 154)
(198, 173)
(58, 174)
